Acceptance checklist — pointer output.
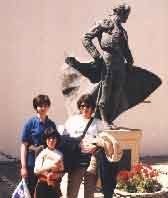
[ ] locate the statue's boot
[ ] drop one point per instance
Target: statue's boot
(107, 124)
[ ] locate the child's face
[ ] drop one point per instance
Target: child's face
(51, 142)
(42, 110)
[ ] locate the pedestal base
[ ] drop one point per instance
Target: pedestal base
(129, 140)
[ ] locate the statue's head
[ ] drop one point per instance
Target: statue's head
(122, 10)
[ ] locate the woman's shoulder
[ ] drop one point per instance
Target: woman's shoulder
(30, 121)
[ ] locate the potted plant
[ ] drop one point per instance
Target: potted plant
(141, 181)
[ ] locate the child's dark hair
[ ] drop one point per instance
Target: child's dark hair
(51, 132)
(86, 99)
(41, 100)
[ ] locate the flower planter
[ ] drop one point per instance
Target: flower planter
(159, 194)
(141, 179)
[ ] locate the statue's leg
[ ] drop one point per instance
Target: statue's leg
(118, 89)
(112, 91)
(105, 95)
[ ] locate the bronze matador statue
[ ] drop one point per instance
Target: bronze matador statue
(121, 84)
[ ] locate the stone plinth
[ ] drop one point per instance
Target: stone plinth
(130, 141)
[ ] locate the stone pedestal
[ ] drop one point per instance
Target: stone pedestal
(130, 143)
(129, 140)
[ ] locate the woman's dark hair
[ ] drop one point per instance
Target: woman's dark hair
(86, 99)
(51, 132)
(121, 9)
(41, 100)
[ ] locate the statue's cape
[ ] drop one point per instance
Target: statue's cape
(139, 84)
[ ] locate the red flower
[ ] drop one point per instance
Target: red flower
(143, 178)
(153, 173)
(137, 168)
(145, 171)
(123, 175)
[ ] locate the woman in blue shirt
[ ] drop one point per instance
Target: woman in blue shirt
(31, 135)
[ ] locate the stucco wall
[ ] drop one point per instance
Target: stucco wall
(36, 34)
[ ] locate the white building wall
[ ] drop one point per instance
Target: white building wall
(35, 35)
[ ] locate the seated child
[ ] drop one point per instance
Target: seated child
(49, 167)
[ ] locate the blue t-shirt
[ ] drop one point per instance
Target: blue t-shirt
(32, 133)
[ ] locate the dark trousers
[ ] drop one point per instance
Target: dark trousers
(45, 191)
(108, 174)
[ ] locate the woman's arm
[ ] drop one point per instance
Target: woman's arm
(23, 158)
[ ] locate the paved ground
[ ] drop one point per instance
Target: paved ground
(9, 174)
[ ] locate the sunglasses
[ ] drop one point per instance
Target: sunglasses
(85, 105)
(43, 105)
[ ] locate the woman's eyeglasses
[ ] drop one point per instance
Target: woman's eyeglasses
(52, 137)
(85, 105)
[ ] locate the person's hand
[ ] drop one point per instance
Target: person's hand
(57, 166)
(50, 181)
(87, 148)
(24, 172)
(99, 60)
(53, 176)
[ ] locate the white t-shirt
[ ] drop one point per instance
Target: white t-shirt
(75, 126)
